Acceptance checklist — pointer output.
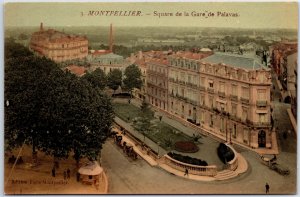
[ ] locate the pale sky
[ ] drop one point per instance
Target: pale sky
(249, 15)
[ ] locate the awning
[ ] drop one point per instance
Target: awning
(91, 168)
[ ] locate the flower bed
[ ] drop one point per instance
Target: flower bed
(187, 159)
(186, 147)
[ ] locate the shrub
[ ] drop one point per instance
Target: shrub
(225, 153)
(187, 159)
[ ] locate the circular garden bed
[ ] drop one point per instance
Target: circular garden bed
(186, 147)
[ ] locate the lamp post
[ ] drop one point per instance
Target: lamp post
(230, 135)
(158, 144)
(160, 118)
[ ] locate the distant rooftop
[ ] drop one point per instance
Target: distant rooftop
(239, 61)
(77, 70)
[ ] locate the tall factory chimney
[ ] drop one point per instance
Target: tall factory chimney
(41, 27)
(111, 41)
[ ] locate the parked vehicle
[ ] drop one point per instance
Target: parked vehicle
(271, 163)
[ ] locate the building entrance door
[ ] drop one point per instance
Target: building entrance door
(261, 138)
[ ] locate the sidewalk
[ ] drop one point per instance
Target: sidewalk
(38, 180)
(293, 120)
(146, 157)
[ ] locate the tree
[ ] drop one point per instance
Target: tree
(132, 78)
(52, 110)
(114, 79)
(97, 78)
(143, 124)
(26, 89)
(97, 123)
(146, 110)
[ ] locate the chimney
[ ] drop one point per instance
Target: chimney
(41, 27)
(111, 39)
(140, 55)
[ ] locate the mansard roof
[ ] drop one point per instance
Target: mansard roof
(238, 61)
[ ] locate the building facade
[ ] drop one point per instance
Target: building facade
(58, 46)
(225, 94)
(107, 62)
(157, 82)
(291, 80)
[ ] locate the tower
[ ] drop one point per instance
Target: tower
(41, 27)
(111, 41)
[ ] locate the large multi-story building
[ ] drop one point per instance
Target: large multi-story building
(225, 94)
(278, 54)
(58, 46)
(157, 81)
(292, 62)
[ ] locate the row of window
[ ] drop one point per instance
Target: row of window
(232, 109)
(158, 69)
(185, 64)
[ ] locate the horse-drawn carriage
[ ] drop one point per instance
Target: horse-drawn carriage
(273, 165)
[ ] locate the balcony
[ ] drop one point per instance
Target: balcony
(261, 124)
(221, 94)
(172, 80)
(202, 88)
(192, 85)
(234, 97)
(192, 102)
(261, 103)
(181, 82)
(245, 101)
(180, 97)
(210, 90)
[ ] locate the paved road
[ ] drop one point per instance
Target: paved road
(137, 177)
(283, 123)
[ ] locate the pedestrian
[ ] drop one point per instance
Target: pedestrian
(68, 173)
(65, 175)
(267, 188)
(53, 172)
(186, 172)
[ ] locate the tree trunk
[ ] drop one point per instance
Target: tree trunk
(77, 158)
(34, 154)
(55, 162)
(77, 164)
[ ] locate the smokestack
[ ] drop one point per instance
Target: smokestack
(41, 27)
(111, 38)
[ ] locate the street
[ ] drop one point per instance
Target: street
(137, 177)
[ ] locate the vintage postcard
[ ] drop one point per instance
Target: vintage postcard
(150, 97)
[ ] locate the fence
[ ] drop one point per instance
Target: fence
(193, 169)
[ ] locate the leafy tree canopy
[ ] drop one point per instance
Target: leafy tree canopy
(114, 79)
(97, 78)
(132, 77)
(52, 110)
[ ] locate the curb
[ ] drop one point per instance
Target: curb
(293, 121)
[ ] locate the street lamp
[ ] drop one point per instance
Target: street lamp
(230, 135)
(158, 144)
(160, 118)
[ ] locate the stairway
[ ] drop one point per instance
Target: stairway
(225, 174)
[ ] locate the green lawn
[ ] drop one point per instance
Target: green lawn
(125, 111)
(161, 132)
(164, 133)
